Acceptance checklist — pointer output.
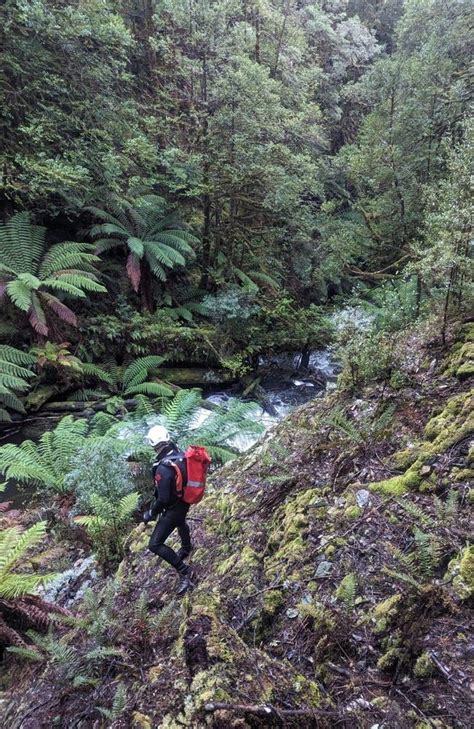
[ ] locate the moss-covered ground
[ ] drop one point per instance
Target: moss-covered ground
(334, 580)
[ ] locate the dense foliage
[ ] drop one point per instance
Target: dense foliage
(240, 154)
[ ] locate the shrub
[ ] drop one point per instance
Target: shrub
(99, 469)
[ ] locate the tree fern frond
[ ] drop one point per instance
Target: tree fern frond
(102, 245)
(18, 543)
(15, 356)
(152, 389)
(14, 585)
(138, 370)
(20, 294)
(180, 409)
(10, 400)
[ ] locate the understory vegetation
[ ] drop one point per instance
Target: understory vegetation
(191, 194)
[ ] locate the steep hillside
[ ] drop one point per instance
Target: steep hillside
(335, 579)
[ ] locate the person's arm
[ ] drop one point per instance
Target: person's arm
(163, 490)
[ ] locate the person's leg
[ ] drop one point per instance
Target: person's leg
(185, 537)
(161, 532)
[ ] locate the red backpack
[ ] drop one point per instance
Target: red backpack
(197, 462)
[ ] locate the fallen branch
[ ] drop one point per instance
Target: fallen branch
(267, 711)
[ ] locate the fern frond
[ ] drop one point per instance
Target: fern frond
(118, 705)
(96, 372)
(14, 544)
(128, 504)
(28, 653)
(138, 370)
(20, 293)
(347, 590)
(154, 389)
(339, 421)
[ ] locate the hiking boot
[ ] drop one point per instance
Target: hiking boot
(184, 553)
(185, 580)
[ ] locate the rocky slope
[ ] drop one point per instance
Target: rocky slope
(334, 581)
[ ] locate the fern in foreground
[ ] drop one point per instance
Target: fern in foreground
(47, 462)
(17, 603)
(108, 524)
(15, 377)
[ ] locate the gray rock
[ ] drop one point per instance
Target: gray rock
(324, 569)
(363, 498)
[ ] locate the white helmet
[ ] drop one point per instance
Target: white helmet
(157, 434)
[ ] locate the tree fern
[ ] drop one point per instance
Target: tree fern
(137, 372)
(17, 603)
(47, 462)
(149, 237)
(32, 272)
(15, 377)
(188, 423)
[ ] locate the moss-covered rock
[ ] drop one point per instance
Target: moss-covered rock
(424, 666)
(398, 485)
(385, 612)
(460, 573)
(141, 721)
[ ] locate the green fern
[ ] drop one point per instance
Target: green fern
(447, 510)
(339, 421)
(417, 513)
(27, 653)
(428, 552)
(129, 381)
(32, 273)
(149, 237)
(108, 524)
(15, 377)
(68, 663)
(402, 577)
(347, 589)
(14, 545)
(119, 704)
(47, 462)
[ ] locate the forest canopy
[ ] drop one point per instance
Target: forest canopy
(234, 165)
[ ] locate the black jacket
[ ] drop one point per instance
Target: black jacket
(164, 477)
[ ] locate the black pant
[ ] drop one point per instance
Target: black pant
(171, 519)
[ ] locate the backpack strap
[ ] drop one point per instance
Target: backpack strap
(179, 476)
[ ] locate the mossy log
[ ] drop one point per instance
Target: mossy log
(40, 396)
(196, 376)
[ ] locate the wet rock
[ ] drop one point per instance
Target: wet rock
(324, 569)
(69, 586)
(363, 498)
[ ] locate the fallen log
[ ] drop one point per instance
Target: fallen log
(267, 711)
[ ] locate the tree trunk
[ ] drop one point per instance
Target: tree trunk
(146, 288)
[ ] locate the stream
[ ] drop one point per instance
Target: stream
(283, 386)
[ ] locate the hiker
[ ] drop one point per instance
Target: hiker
(179, 481)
